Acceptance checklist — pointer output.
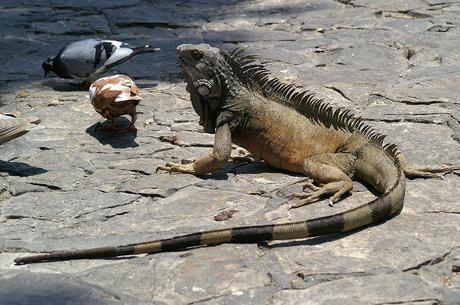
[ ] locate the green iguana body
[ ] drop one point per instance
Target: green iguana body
(238, 101)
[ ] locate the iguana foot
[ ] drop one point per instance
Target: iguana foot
(336, 189)
(307, 185)
(177, 167)
(429, 172)
(426, 171)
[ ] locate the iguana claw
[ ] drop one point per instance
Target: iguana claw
(309, 185)
(307, 198)
(178, 168)
(243, 156)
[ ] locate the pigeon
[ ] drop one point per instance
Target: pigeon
(12, 127)
(113, 96)
(85, 59)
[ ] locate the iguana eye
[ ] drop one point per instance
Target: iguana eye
(203, 90)
(197, 55)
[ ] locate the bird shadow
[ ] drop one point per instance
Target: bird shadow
(113, 138)
(20, 169)
(63, 86)
(147, 85)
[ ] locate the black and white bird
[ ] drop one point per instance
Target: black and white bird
(85, 59)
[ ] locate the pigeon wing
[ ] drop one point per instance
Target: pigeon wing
(11, 127)
(120, 53)
(81, 59)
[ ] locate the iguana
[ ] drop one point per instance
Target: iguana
(238, 100)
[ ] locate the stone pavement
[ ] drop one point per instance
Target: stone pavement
(67, 186)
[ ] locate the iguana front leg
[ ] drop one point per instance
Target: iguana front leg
(210, 162)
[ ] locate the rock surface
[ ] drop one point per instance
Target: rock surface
(68, 186)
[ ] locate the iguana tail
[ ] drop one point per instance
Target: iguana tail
(385, 175)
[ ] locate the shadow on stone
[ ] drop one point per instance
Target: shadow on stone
(310, 241)
(20, 169)
(113, 138)
(218, 175)
(258, 167)
(63, 85)
(146, 85)
(52, 289)
(245, 168)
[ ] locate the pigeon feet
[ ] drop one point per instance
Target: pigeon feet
(128, 129)
(114, 128)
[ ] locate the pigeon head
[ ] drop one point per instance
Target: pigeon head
(48, 65)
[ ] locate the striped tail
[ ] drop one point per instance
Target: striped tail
(380, 209)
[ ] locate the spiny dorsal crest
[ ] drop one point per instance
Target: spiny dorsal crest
(257, 77)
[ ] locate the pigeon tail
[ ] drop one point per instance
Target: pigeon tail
(144, 49)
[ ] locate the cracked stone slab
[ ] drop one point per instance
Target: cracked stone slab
(74, 4)
(43, 288)
(190, 277)
(379, 110)
(242, 35)
(157, 185)
(82, 25)
(422, 146)
(32, 205)
(147, 17)
(394, 63)
(398, 288)
(55, 217)
(193, 203)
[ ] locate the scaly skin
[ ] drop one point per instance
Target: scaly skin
(237, 100)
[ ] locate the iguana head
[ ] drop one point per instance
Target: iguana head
(201, 64)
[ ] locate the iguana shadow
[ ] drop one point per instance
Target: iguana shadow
(244, 168)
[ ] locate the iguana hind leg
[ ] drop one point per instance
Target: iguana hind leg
(333, 172)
